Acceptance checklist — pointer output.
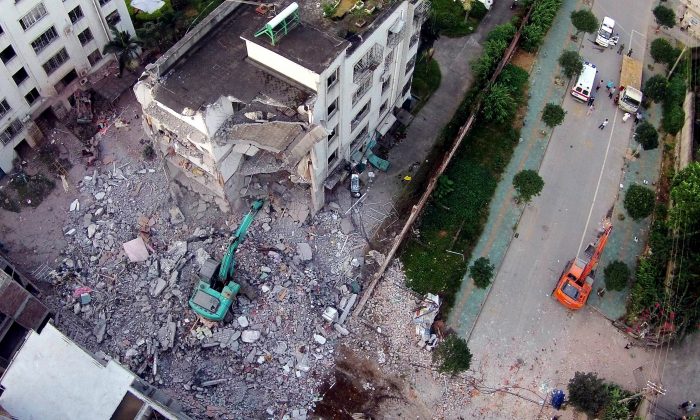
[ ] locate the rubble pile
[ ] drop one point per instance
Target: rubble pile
(391, 333)
(133, 257)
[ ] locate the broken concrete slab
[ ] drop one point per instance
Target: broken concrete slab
(176, 216)
(250, 336)
(158, 287)
(136, 250)
(346, 226)
(319, 339)
(100, 195)
(243, 321)
(91, 230)
(304, 251)
(75, 205)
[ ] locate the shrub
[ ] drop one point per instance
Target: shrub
(647, 136)
(672, 119)
(453, 355)
(553, 115)
(482, 272)
(148, 152)
(504, 32)
(571, 63)
(615, 410)
(443, 188)
(499, 105)
(685, 193)
(528, 184)
(617, 274)
(639, 202)
(655, 88)
(675, 92)
(665, 16)
(587, 392)
(662, 51)
(541, 19)
(584, 21)
(515, 79)
(448, 18)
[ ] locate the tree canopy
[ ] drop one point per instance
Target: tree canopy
(685, 192)
(639, 201)
(453, 355)
(123, 46)
(617, 274)
(662, 51)
(665, 16)
(587, 392)
(482, 272)
(584, 21)
(655, 87)
(528, 184)
(647, 136)
(553, 115)
(571, 63)
(499, 105)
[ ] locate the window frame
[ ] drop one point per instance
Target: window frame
(56, 61)
(26, 76)
(71, 14)
(86, 40)
(4, 107)
(36, 14)
(35, 97)
(45, 42)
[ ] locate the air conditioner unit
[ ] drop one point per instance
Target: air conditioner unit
(26, 119)
(68, 29)
(83, 81)
(82, 72)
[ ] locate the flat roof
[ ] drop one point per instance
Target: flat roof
(51, 377)
(218, 65)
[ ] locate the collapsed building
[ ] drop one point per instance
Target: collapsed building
(258, 101)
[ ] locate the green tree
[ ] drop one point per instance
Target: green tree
(553, 115)
(443, 188)
(588, 393)
(124, 47)
(639, 201)
(646, 135)
(584, 21)
(453, 355)
(662, 51)
(617, 274)
(478, 10)
(499, 105)
(504, 32)
(528, 183)
(655, 88)
(571, 63)
(675, 93)
(665, 16)
(685, 192)
(672, 119)
(615, 410)
(482, 272)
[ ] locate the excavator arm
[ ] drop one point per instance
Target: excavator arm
(593, 262)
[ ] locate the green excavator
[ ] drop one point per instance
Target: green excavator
(213, 296)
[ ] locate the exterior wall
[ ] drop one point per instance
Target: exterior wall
(691, 17)
(49, 86)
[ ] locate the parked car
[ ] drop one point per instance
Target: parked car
(355, 185)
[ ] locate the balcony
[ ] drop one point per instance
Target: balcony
(421, 13)
(396, 33)
(361, 91)
(364, 68)
(359, 117)
(414, 40)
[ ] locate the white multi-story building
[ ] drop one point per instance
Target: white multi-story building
(250, 102)
(46, 48)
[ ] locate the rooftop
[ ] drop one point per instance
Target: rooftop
(222, 53)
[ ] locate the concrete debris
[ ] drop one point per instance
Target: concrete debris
(75, 205)
(250, 336)
(424, 317)
(144, 251)
(176, 216)
(136, 250)
(304, 251)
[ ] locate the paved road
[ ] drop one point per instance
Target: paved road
(581, 168)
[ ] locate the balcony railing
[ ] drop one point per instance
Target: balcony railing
(421, 13)
(364, 68)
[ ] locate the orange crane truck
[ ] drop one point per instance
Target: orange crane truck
(576, 282)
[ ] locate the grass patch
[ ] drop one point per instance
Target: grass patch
(8, 202)
(450, 19)
(426, 78)
(456, 221)
(31, 190)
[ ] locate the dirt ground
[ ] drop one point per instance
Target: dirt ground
(34, 236)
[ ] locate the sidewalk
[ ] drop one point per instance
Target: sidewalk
(454, 55)
(503, 214)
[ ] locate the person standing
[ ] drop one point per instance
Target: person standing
(591, 108)
(688, 406)
(626, 117)
(603, 124)
(622, 48)
(597, 88)
(637, 117)
(611, 91)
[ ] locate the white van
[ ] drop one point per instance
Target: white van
(487, 3)
(605, 33)
(584, 85)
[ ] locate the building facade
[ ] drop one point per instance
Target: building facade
(690, 14)
(47, 47)
(250, 99)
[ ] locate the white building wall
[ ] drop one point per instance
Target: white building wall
(14, 35)
(282, 65)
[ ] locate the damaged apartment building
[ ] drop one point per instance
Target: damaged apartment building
(277, 98)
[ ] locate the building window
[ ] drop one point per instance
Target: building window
(1, 30)
(386, 84)
(32, 96)
(332, 158)
(113, 18)
(410, 64)
(361, 91)
(20, 76)
(11, 132)
(34, 15)
(94, 57)
(85, 36)
(333, 134)
(383, 107)
(75, 14)
(4, 108)
(362, 135)
(332, 107)
(53, 63)
(44, 40)
(406, 88)
(332, 79)
(103, 2)
(361, 114)
(8, 54)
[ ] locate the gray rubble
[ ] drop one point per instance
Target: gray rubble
(277, 342)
